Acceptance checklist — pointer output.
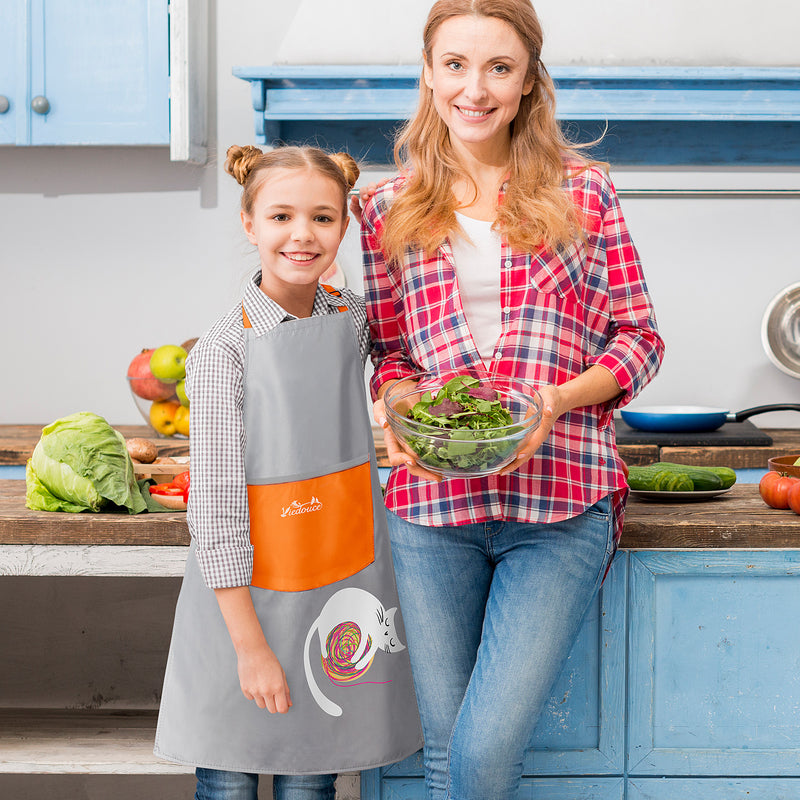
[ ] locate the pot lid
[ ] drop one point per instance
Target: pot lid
(780, 330)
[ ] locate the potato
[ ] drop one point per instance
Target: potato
(142, 450)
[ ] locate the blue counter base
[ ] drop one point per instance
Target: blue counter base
(683, 683)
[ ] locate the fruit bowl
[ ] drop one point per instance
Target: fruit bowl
(160, 414)
(466, 442)
(155, 380)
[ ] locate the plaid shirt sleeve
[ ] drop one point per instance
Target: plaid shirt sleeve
(387, 323)
(218, 515)
(635, 348)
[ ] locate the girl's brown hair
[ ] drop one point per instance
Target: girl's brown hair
(250, 165)
(536, 210)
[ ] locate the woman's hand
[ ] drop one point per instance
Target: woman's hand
(551, 411)
(398, 454)
(359, 200)
(263, 680)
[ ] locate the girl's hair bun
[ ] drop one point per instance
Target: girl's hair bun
(240, 161)
(347, 164)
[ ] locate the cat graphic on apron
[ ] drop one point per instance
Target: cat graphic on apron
(323, 583)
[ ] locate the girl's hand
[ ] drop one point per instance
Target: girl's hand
(263, 680)
(358, 201)
(550, 413)
(398, 454)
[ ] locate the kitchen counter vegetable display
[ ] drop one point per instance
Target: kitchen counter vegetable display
(459, 425)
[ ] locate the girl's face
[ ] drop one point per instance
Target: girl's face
(297, 224)
(478, 75)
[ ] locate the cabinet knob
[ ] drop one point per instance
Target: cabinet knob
(4, 104)
(41, 105)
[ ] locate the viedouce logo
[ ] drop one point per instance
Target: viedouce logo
(296, 507)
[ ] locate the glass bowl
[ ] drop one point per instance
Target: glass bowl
(462, 452)
(161, 419)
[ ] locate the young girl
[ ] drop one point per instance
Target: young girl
(500, 249)
(287, 655)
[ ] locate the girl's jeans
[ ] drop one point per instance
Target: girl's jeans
(218, 784)
(491, 611)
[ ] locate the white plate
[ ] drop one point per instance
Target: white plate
(678, 497)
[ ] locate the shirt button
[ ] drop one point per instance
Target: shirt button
(498, 355)
(507, 310)
(508, 262)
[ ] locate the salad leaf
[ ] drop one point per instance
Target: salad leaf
(474, 435)
(81, 464)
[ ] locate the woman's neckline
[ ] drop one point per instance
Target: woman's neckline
(474, 219)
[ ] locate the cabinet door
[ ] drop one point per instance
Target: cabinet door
(11, 39)
(103, 68)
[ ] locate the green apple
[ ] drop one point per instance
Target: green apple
(168, 362)
(180, 390)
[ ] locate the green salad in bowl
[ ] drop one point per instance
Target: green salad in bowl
(460, 425)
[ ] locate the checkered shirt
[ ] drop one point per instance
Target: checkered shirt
(218, 514)
(561, 313)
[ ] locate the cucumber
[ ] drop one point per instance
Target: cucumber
(647, 479)
(726, 474)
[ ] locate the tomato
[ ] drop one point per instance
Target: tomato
(181, 480)
(166, 488)
(794, 498)
(774, 489)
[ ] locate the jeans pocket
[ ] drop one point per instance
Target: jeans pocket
(601, 513)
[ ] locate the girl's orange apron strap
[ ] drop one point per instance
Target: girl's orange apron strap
(334, 293)
(245, 318)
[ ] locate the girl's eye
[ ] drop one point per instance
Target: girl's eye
(323, 218)
(280, 217)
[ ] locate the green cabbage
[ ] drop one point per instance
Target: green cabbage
(81, 464)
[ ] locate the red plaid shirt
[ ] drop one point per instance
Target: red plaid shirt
(561, 313)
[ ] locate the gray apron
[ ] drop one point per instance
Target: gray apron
(323, 584)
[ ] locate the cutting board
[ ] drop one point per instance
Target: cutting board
(743, 434)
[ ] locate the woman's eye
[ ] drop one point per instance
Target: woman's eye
(501, 69)
(456, 66)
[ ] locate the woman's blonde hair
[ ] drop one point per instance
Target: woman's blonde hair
(536, 210)
(250, 165)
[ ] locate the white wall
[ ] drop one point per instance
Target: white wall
(109, 250)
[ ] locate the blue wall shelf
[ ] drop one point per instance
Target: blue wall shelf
(655, 115)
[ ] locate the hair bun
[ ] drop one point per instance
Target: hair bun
(347, 164)
(241, 160)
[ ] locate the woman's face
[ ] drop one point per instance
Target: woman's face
(478, 74)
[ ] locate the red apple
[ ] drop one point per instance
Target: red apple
(143, 383)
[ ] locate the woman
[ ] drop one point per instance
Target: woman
(500, 249)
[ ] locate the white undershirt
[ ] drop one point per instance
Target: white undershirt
(478, 271)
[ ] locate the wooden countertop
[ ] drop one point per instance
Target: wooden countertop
(17, 443)
(737, 519)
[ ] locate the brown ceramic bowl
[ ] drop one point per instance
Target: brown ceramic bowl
(785, 464)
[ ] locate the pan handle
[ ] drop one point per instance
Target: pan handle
(739, 416)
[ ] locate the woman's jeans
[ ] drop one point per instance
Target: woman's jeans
(491, 611)
(218, 784)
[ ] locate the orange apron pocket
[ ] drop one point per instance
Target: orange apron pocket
(313, 532)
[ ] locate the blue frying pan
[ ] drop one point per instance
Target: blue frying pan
(692, 418)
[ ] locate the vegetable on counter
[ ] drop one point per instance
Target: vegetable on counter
(665, 476)
(81, 464)
(174, 495)
(775, 488)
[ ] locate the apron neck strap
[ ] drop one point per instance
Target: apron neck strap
(329, 289)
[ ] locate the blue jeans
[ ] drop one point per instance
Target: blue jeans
(218, 784)
(491, 611)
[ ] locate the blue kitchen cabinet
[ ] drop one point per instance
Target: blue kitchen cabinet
(87, 72)
(684, 682)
